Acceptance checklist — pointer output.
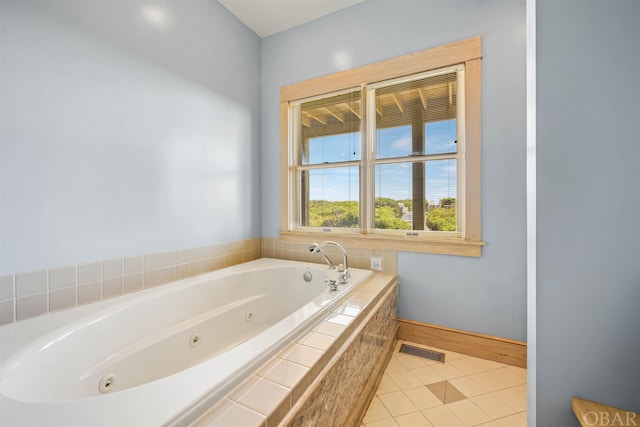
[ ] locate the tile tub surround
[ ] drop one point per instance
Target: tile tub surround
(273, 247)
(317, 379)
(30, 294)
(26, 295)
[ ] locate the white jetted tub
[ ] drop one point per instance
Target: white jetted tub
(163, 355)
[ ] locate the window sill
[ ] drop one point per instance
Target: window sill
(406, 244)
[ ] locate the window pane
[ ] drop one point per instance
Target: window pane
(330, 129)
(394, 201)
(442, 194)
(409, 190)
(417, 117)
(442, 180)
(441, 137)
(332, 148)
(393, 142)
(330, 197)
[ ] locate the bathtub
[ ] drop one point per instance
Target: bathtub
(160, 356)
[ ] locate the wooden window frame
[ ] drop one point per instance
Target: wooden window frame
(467, 52)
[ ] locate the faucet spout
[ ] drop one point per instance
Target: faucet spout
(316, 248)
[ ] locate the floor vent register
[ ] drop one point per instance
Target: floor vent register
(422, 352)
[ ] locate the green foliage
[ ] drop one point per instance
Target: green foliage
(333, 214)
(447, 201)
(387, 218)
(407, 202)
(323, 213)
(346, 214)
(385, 201)
(442, 219)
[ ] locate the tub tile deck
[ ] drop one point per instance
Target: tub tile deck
(282, 381)
(232, 414)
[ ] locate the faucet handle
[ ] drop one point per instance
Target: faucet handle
(333, 286)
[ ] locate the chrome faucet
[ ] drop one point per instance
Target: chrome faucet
(344, 270)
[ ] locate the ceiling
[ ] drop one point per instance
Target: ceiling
(396, 105)
(267, 17)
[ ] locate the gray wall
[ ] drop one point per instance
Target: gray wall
(119, 137)
(488, 294)
(588, 320)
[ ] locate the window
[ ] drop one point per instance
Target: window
(387, 154)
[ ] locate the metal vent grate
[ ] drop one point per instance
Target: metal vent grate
(422, 352)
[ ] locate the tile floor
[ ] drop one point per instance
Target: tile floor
(463, 391)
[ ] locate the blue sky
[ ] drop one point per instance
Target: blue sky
(392, 180)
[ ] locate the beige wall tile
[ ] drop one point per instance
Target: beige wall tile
(168, 259)
(112, 287)
(62, 299)
(60, 278)
(182, 256)
(89, 273)
(208, 265)
(89, 292)
(112, 269)
(134, 264)
(133, 282)
(168, 275)
(7, 287)
(182, 271)
(195, 254)
(195, 268)
(152, 262)
(32, 305)
(31, 283)
(7, 311)
(152, 278)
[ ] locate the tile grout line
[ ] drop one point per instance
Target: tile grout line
(515, 372)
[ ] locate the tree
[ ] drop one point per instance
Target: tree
(387, 218)
(385, 201)
(441, 219)
(447, 201)
(407, 202)
(323, 213)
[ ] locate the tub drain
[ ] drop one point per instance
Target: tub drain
(107, 382)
